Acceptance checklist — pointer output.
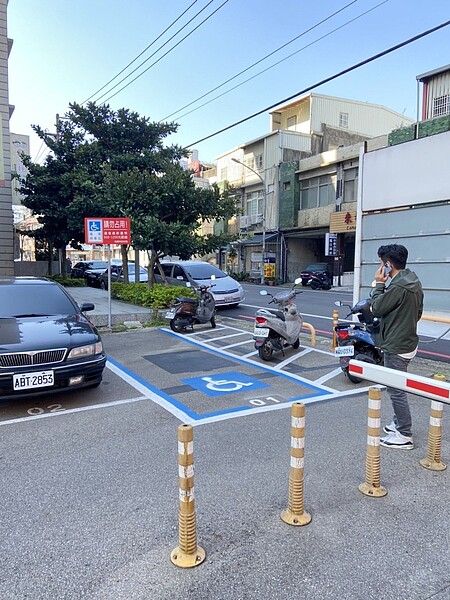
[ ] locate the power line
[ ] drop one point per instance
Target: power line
(161, 57)
(143, 51)
(285, 58)
(331, 78)
(259, 61)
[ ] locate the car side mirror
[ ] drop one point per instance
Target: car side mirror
(86, 306)
(213, 277)
(188, 284)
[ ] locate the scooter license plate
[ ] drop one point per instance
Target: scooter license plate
(344, 351)
(261, 332)
(170, 314)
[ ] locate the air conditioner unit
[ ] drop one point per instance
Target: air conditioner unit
(259, 218)
(253, 219)
(243, 222)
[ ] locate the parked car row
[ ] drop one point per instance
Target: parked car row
(226, 291)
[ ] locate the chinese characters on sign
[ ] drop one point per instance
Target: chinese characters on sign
(108, 230)
(331, 248)
(344, 221)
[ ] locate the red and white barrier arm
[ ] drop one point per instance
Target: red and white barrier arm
(415, 384)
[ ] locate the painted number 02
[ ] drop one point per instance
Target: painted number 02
(39, 411)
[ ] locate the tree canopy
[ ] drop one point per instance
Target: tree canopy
(106, 163)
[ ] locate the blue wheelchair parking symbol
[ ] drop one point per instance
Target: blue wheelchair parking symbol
(95, 226)
(225, 383)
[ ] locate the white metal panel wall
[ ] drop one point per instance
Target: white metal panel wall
(437, 86)
(415, 172)
(365, 119)
(425, 232)
(295, 141)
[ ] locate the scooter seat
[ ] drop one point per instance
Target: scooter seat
(188, 300)
(278, 313)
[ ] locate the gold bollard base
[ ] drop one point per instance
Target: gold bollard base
(293, 519)
(370, 490)
(432, 465)
(185, 561)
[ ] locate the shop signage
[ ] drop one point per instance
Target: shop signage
(341, 222)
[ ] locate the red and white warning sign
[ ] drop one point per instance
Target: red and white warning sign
(415, 384)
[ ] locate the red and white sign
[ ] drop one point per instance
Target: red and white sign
(107, 230)
(415, 384)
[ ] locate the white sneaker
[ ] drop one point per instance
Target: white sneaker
(396, 440)
(390, 428)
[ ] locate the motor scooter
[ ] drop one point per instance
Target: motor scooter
(275, 329)
(320, 281)
(187, 312)
(359, 340)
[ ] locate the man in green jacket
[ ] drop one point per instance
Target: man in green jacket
(400, 306)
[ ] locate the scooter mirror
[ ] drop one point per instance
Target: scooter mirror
(298, 280)
(263, 293)
(338, 303)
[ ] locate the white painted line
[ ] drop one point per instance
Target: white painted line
(254, 353)
(176, 412)
(70, 411)
(224, 337)
(203, 331)
(328, 376)
(287, 361)
(237, 344)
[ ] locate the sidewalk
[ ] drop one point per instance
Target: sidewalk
(121, 312)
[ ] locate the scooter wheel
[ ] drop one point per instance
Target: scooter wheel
(265, 351)
(351, 377)
(213, 322)
(176, 324)
(296, 344)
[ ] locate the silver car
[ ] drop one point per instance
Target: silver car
(226, 291)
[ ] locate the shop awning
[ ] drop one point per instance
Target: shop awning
(256, 240)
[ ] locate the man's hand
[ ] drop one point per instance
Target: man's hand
(380, 277)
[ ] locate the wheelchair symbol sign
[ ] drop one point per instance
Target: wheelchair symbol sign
(93, 231)
(225, 383)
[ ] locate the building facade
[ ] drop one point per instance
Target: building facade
(6, 214)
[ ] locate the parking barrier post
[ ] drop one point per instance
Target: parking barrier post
(335, 322)
(294, 513)
(433, 458)
(187, 553)
(372, 486)
(312, 332)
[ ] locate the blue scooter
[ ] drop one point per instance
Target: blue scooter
(358, 340)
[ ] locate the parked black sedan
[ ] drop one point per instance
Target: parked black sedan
(79, 269)
(46, 342)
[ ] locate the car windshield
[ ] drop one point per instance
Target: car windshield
(316, 267)
(34, 299)
(202, 271)
(132, 269)
(98, 264)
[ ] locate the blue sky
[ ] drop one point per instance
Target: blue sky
(65, 51)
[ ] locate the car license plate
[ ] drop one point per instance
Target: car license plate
(170, 314)
(344, 351)
(261, 332)
(33, 380)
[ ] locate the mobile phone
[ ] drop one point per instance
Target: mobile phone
(387, 269)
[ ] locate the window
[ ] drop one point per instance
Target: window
(287, 186)
(249, 162)
(343, 120)
(291, 122)
(178, 273)
(223, 174)
(259, 161)
(350, 185)
(318, 191)
(441, 106)
(255, 202)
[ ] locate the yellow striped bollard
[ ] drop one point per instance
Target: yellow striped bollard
(294, 513)
(187, 553)
(372, 486)
(433, 458)
(335, 323)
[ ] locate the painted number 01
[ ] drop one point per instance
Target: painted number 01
(261, 402)
(39, 411)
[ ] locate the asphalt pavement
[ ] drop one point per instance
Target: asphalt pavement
(90, 488)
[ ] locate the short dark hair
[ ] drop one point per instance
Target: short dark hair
(395, 254)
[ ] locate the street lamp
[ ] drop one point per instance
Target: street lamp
(263, 252)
